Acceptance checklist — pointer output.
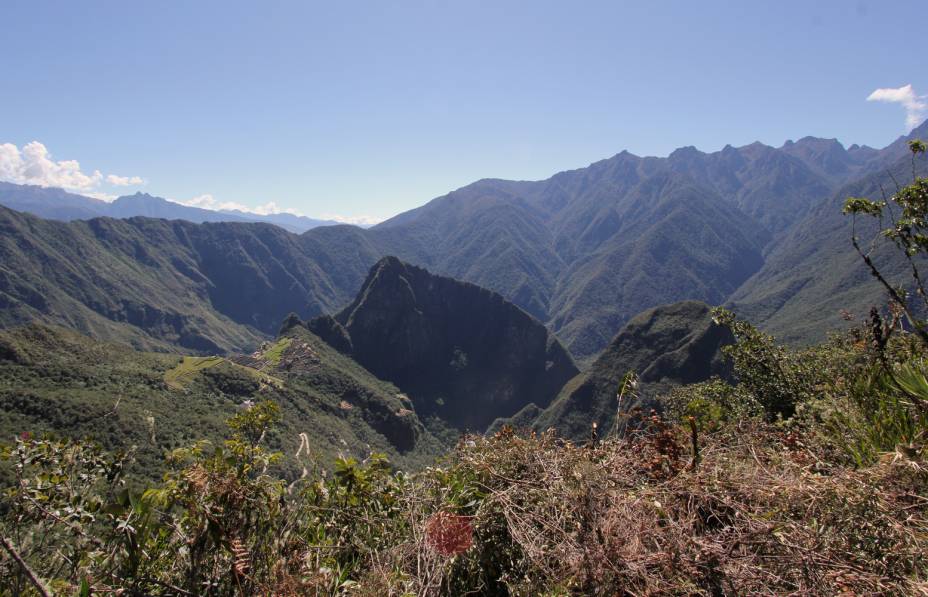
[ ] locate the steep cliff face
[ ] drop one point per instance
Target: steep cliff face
(461, 352)
(668, 345)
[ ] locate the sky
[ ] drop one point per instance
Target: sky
(358, 110)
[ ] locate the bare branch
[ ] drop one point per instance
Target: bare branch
(30, 574)
(893, 293)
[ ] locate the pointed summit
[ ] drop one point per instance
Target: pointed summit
(461, 352)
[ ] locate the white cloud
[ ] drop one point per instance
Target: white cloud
(101, 196)
(124, 181)
(207, 201)
(271, 207)
(356, 220)
(33, 165)
(916, 106)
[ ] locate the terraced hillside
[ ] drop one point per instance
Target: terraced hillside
(55, 380)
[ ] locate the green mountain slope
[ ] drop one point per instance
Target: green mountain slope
(587, 249)
(815, 273)
(582, 251)
(154, 283)
(55, 380)
(676, 242)
(666, 346)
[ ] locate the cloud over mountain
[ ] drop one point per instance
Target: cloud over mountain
(362, 220)
(916, 106)
(124, 181)
(33, 165)
(207, 201)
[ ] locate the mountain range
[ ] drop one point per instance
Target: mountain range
(55, 380)
(755, 227)
(57, 204)
(378, 351)
(459, 357)
(502, 309)
(665, 346)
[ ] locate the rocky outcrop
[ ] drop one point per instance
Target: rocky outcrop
(666, 346)
(460, 352)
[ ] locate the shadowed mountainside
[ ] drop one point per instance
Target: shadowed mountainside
(461, 352)
(158, 283)
(666, 346)
(587, 249)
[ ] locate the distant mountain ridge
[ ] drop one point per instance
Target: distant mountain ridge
(813, 276)
(214, 287)
(57, 204)
(587, 249)
(583, 251)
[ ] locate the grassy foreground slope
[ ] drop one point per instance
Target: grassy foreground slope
(55, 380)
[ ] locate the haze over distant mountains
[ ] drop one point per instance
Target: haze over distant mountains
(583, 251)
(57, 204)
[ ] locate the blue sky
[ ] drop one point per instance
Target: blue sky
(365, 109)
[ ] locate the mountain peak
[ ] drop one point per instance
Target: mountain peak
(388, 262)
(461, 352)
(139, 196)
(685, 151)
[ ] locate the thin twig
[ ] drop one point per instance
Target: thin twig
(32, 576)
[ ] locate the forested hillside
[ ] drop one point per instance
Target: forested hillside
(583, 251)
(55, 380)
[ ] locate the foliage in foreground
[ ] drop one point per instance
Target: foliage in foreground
(807, 477)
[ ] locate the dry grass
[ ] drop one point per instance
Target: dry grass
(760, 514)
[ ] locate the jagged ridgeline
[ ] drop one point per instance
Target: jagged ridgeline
(583, 251)
(55, 380)
(417, 356)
